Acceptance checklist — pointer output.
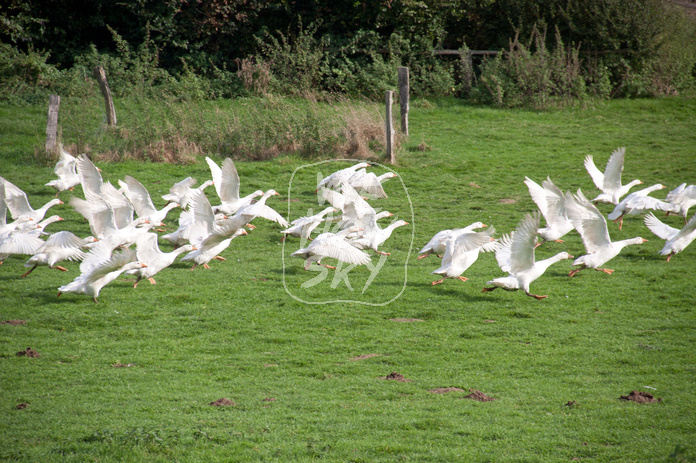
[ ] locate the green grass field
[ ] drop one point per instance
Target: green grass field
(305, 376)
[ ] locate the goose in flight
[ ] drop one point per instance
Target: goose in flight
(138, 195)
(370, 183)
(592, 226)
(66, 170)
(684, 197)
(438, 243)
(226, 182)
(338, 178)
(462, 251)
(515, 255)
(609, 182)
(18, 204)
(181, 192)
(303, 226)
(148, 252)
(675, 240)
(335, 246)
(551, 203)
(260, 209)
(639, 202)
(98, 268)
(60, 246)
(90, 176)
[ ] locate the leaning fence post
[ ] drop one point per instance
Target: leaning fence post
(404, 92)
(52, 125)
(390, 128)
(100, 74)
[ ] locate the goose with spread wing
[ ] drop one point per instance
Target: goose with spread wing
(639, 202)
(181, 192)
(338, 178)
(138, 195)
(99, 268)
(226, 182)
(683, 197)
(90, 176)
(66, 170)
(304, 226)
(438, 243)
(18, 204)
(675, 240)
(333, 245)
(148, 252)
(592, 226)
(515, 255)
(370, 183)
(551, 203)
(60, 246)
(462, 251)
(609, 182)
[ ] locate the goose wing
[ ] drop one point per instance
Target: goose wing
(338, 248)
(16, 200)
(522, 248)
(457, 249)
(588, 221)
(90, 177)
(612, 173)
(139, 197)
(659, 228)
(123, 209)
(596, 175)
(228, 190)
(539, 196)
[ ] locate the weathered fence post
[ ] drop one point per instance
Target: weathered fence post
(404, 92)
(390, 128)
(52, 125)
(100, 74)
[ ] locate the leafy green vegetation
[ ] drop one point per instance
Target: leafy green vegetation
(131, 378)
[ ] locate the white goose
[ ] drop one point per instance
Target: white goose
(461, 253)
(226, 181)
(676, 240)
(370, 183)
(19, 206)
(148, 252)
(551, 203)
(515, 255)
(60, 246)
(684, 197)
(438, 243)
(335, 246)
(609, 182)
(208, 236)
(303, 226)
(99, 268)
(340, 177)
(260, 209)
(18, 242)
(66, 170)
(639, 202)
(28, 227)
(181, 192)
(90, 176)
(142, 202)
(592, 226)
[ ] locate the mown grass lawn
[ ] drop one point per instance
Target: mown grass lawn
(305, 377)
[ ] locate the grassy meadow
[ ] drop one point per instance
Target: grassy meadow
(132, 377)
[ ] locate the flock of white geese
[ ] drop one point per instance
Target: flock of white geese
(123, 222)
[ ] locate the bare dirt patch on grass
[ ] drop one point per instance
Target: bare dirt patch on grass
(28, 353)
(640, 397)
(406, 320)
(394, 376)
(475, 394)
(13, 322)
(222, 402)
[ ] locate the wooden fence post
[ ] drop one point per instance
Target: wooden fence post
(100, 74)
(404, 92)
(52, 125)
(390, 128)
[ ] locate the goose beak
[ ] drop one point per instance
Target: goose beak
(644, 240)
(483, 225)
